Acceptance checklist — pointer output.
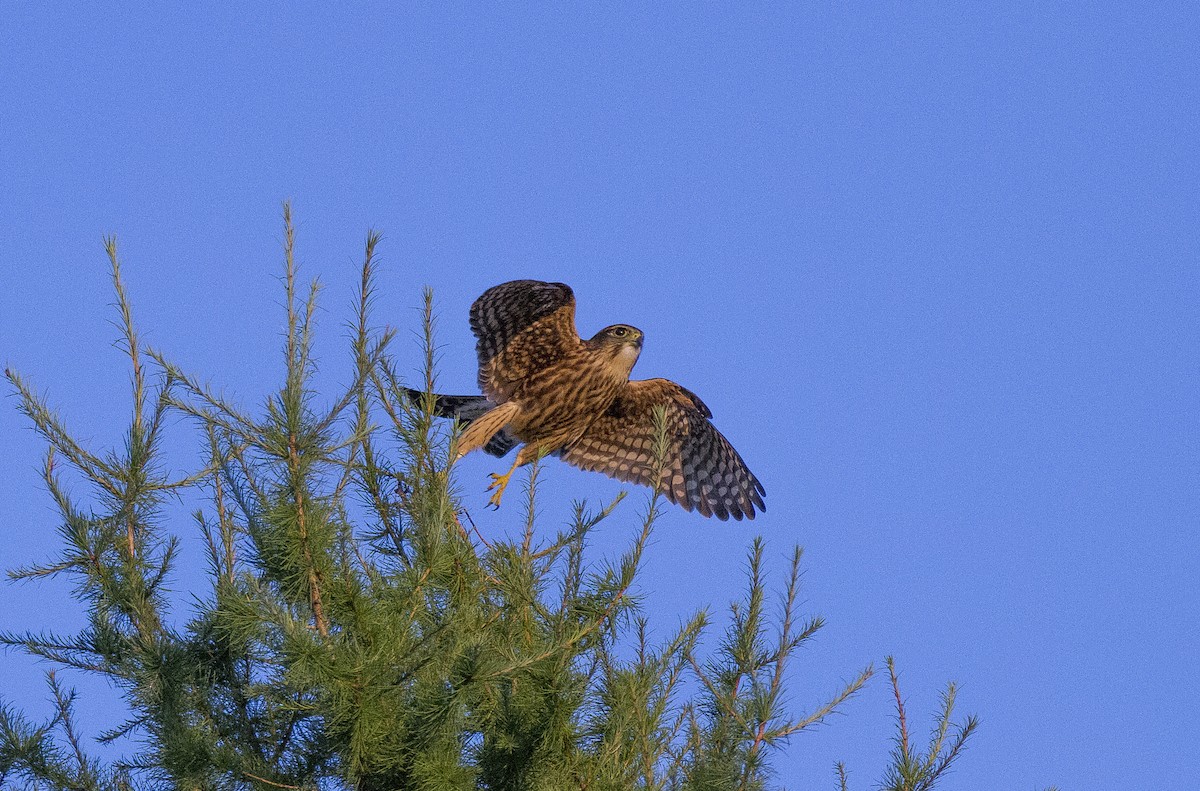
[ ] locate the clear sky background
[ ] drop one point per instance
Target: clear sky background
(934, 267)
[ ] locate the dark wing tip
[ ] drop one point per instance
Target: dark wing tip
(500, 444)
(719, 510)
(504, 310)
(557, 294)
(740, 502)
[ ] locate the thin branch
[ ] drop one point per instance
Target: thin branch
(904, 743)
(270, 782)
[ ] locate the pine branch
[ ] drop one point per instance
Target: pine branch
(912, 771)
(46, 423)
(362, 630)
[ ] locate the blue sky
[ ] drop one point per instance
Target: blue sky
(932, 266)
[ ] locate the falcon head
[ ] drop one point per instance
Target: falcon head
(621, 343)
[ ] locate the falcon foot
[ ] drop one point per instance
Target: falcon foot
(499, 483)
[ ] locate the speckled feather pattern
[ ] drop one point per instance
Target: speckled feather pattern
(523, 328)
(576, 400)
(701, 470)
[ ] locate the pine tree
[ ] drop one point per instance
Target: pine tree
(359, 632)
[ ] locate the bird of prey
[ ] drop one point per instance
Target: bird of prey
(546, 387)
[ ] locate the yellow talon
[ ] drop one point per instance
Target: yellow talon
(499, 482)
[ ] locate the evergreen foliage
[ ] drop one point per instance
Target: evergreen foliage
(359, 632)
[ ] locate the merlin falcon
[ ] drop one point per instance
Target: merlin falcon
(560, 395)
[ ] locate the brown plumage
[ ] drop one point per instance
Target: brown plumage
(546, 387)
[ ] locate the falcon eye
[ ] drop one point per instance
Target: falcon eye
(620, 332)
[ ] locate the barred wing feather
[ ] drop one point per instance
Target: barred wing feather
(522, 327)
(701, 470)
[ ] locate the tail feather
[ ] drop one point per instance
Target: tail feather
(466, 408)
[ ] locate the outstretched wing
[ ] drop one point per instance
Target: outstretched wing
(522, 327)
(701, 470)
